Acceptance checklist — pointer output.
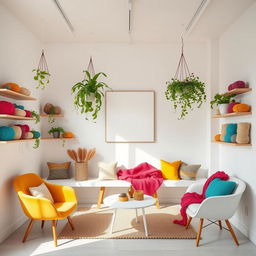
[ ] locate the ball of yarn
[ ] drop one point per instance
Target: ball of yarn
(241, 108)
(29, 135)
(25, 91)
(217, 137)
(7, 108)
(19, 112)
(68, 135)
(17, 131)
(24, 129)
(28, 113)
(19, 106)
(243, 133)
(231, 105)
(48, 108)
(237, 84)
(36, 134)
(7, 133)
(12, 86)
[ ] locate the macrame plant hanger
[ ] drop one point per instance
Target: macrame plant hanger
(90, 67)
(42, 65)
(182, 71)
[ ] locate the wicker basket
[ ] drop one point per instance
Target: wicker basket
(81, 171)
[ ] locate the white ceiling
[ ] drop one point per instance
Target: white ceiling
(97, 21)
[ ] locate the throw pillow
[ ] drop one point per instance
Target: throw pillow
(223, 131)
(107, 171)
(231, 130)
(170, 171)
(58, 170)
(189, 172)
(220, 187)
(243, 133)
(41, 192)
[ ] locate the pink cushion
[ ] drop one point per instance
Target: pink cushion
(7, 108)
(231, 105)
(24, 129)
(237, 84)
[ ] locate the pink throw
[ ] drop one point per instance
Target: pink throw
(142, 177)
(195, 198)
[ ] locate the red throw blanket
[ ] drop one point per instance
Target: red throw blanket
(142, 177)
(195, 198)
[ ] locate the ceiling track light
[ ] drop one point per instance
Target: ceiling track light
(199, 11)
(63, 14)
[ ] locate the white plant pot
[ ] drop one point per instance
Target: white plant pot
(90, 97)
(223, 108)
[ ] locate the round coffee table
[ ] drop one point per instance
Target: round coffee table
(113, 202)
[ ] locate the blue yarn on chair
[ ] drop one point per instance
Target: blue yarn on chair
(7, 133)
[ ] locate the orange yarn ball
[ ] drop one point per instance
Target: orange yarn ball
(241, 108)
(68, 135)
(12, 86)
(217, 137)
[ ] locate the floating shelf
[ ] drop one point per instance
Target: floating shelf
(12, 117)
(232, 144)
(46, 115)
(14, 95)
(14, 141)
(232, 114)
(237, 91)
(50, 138)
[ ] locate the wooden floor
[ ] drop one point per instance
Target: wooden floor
(213, 243)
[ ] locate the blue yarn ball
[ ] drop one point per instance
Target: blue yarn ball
(36, 134)
(19, 106)
(7, 133)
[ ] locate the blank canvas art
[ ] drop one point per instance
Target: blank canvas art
(130, 116)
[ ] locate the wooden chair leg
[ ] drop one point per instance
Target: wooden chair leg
(30, 225)
(101, 196)
(189, 221)
(232, 232)
(54, 233)
(157, 200)
(199, 232)
(70, 223)
(42, 224)
(220, 224)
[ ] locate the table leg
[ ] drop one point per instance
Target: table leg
(101, 197)
(145, 222)
(136, 215)
(113, 221)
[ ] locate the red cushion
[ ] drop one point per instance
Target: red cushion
(7, 108)
(231, 105)
(24, 129)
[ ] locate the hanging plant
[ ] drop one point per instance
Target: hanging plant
(37, 143)
(35, 115)
(89, 93)
(42, 75)
(185, 90)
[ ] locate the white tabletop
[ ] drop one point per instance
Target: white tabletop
(113, 202)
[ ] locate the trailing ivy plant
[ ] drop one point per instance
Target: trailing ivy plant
(185, 94)
(42, 77)
(222, 99)
(35, 115)
(88, 94)
(37, 143)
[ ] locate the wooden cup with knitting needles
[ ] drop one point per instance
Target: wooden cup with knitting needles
(81, 158)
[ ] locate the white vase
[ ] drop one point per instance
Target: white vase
(223, 108)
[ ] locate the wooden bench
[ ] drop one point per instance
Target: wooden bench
(103, 184)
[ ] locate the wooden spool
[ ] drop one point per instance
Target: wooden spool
(138, 195)
(81, 171)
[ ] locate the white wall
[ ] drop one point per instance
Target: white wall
(129, 67)
(238, 62)
(20, 52)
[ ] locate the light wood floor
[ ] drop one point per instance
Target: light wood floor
(213, 243)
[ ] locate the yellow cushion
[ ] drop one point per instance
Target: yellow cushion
(170, 171)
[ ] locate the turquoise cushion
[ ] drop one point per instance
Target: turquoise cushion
(230, 131)
(7, 133)
(220, 187)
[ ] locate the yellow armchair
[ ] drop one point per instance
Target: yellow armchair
(64, 204)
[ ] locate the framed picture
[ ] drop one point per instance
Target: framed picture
(130, 116)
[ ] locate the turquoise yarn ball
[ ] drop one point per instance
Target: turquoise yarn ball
(36, 134)
(7, 133)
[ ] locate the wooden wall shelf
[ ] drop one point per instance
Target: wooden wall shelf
(237, 91)
(46, 115)
(50, 138)
(15, 95)
(12, 117)
(232, 114)
(232, 144)
(14, 141)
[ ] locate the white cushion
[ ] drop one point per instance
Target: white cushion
(107, 171)
(41, 192)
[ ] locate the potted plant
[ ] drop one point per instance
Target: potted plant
(89, 93)
(185, 93)
(56, 132)
(222, 102)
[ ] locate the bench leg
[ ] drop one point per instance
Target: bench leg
(101, 196)
(157, 200)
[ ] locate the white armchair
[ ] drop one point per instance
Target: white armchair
(215, 208)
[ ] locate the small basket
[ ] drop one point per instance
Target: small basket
(138, 195)
(81, 171)
(123, 197)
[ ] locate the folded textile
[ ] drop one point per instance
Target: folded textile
(142, 177)
(195, 198)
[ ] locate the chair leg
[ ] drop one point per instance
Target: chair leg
(157, 200)
(232, 232)
(220, 224)
(70, 223)
(30, 225)
(42, 224)
(189, 221)
(101, 196)
(199, 232)
(54, 233)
